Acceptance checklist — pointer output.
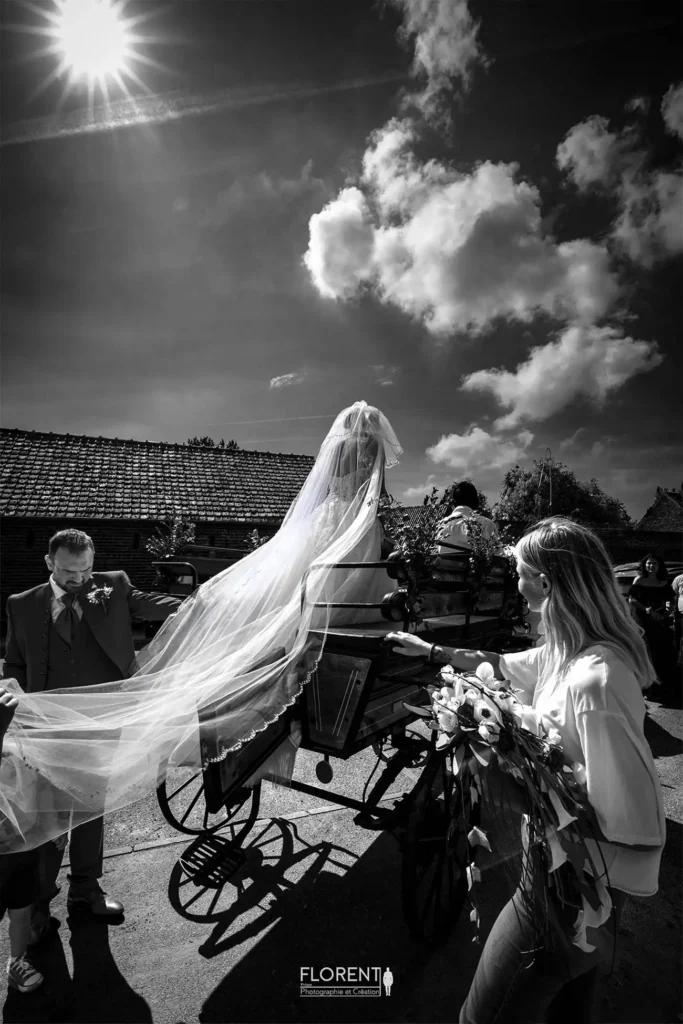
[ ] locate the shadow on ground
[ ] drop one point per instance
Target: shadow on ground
(351, 919)
(662, 743)
(97, 992)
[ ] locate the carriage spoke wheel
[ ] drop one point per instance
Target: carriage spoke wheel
(181, 797)
(385, 751)
(435, 853)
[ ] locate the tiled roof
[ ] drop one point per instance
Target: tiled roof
(62, 475)
(666, 512)
(416, 515)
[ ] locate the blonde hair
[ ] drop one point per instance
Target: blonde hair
(584, 606)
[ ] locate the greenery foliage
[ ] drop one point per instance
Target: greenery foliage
(171, 536)
(255, 541)
(414, 543)
(525, 499)
(208, 442)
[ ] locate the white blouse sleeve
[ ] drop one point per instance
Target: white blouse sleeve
(623, 786)
(522, 669)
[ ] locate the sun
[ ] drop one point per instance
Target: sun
(93, 39)
(95, 43)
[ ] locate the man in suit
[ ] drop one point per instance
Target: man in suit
(75, 630)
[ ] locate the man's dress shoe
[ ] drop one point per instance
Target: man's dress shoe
(94, 900)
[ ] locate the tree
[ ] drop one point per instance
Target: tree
(525, 499)
(208, 442)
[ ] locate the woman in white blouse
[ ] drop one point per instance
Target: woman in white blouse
(587, 681)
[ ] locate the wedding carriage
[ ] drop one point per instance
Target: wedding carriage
(360, 694)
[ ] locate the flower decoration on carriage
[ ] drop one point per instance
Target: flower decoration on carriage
(100, 595)
(486, 725)
(414, 540)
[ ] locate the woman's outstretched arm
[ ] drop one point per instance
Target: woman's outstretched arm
(467, 661)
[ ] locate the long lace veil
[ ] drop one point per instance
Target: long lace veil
(236, 653)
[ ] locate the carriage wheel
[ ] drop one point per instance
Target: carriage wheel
(435, 852)
(183, 805)
(385, 752)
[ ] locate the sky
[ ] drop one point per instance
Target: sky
(467, 214)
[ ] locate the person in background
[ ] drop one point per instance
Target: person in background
(652, 598)
(75, 630)
(462, 502)
(588, 680)
(677, 587)
(19, 881)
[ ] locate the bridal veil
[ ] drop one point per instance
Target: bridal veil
(238, 652)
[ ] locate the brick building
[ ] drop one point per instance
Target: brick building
(118, 491)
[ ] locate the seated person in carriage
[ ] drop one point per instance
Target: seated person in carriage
(462, 518)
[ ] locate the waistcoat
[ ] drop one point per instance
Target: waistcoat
(82, 664)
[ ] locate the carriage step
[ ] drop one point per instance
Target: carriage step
(212, 861)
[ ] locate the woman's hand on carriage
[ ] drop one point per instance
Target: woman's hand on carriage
(408, 645)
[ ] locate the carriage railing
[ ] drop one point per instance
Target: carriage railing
(462, 578)
(362, 605)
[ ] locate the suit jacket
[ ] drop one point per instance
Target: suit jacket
(28, 624)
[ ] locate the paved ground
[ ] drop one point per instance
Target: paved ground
(316, 891)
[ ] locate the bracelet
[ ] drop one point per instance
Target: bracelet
(442, 657)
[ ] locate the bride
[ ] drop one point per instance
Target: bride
(237, 653)
(358, 456)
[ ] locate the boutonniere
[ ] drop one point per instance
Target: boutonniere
(100, 595)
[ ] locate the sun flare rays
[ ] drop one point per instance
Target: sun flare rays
(96, 44)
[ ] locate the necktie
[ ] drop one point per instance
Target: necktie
(64, 623)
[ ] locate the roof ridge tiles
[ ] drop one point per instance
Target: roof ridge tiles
(46, 473)
(159, 444)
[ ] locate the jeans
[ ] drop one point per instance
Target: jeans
(521, 981)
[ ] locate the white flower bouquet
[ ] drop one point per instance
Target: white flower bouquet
(481, 722)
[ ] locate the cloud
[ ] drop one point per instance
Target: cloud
(672, 110)
(477, 450)
(648, 226)
(287, 380)
(454, 250)
(446, 50)
(599, 447)
(639, 104)
(582, 362)
(589, 154)
(571, 442)
(485, 457)
(339, 255)
(575, 444)
(258, 189)
(420, 490)
(385, 376)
